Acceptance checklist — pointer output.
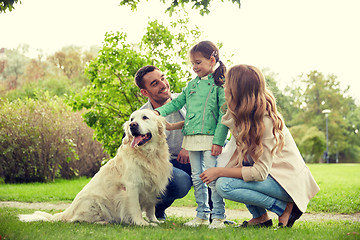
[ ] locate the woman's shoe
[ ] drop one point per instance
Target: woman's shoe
(294, 215)
(246, 224)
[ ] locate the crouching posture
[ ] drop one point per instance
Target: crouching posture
(263, 166)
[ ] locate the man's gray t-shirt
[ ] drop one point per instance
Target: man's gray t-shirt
(174, 138)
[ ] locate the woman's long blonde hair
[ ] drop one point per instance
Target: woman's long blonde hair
(248, 101)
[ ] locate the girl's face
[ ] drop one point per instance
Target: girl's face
(201, 65)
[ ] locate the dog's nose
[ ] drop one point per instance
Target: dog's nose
(134, 124)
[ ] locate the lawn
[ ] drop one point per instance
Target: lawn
(340, 191)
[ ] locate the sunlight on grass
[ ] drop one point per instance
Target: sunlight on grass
(173, 229)
(339, 190)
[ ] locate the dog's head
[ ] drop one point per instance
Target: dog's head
(143, 126)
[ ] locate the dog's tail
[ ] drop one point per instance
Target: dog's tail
(36, 216)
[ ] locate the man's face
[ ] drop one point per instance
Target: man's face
(157, 88)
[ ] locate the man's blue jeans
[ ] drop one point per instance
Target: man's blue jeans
(257, 196)
(178, 187)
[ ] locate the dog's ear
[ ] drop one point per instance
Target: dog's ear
(126, 139)
(161, 125)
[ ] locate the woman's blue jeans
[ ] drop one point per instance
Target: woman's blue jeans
(257, 196)
(200, 161)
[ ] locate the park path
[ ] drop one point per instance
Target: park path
(190, 212)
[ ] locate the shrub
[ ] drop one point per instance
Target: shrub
(42, 139)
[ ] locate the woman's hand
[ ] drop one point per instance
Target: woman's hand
(216, 150)
(210, 175)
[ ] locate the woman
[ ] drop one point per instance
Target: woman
(266, 170)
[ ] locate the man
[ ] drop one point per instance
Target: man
(156, 88)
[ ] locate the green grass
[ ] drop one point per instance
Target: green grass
(11, 228)
(339, 188)
(340, 191)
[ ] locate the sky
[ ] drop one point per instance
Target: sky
(288, 37)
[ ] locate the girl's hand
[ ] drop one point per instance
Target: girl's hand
(216, 150)
(210, 175)
(174, 126)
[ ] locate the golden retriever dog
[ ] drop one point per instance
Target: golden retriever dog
(129, 184)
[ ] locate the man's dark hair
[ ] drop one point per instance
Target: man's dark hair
(141, 73)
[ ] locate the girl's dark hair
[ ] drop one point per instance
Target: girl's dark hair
(208, 50)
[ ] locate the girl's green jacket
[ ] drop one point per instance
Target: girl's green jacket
(203, 101)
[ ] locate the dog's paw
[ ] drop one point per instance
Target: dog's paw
(142, 223)
(154, 220)
(153, 224)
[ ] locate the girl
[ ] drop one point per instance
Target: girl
(204, 135)
(266, 170)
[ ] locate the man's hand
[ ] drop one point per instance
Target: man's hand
(216, 150)
(183, 157)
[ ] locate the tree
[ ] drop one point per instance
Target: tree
(13, 66)
(112, 95)
(314, 92)
(202, 5)
(310, 141)
(283, 101)
(7, 5)
(70, 61)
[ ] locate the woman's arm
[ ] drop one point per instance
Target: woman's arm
(212, 174)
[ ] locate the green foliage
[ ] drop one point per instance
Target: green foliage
(54, 86)
(42, 139)
(71, 60)
(283, 101)
(310, 141)
(112, 95)
(7, 5)
(310, 95)
(13, 66)
(201, 5)
(60, 74)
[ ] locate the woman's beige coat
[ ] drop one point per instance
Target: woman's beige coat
(287, 168)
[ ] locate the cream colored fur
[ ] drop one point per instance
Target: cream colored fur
(127, 185)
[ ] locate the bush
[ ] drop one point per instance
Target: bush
(43, 139)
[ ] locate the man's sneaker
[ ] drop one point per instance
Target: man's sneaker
(197, 222)
(217, 223)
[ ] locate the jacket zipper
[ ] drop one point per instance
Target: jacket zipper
(206, 102)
